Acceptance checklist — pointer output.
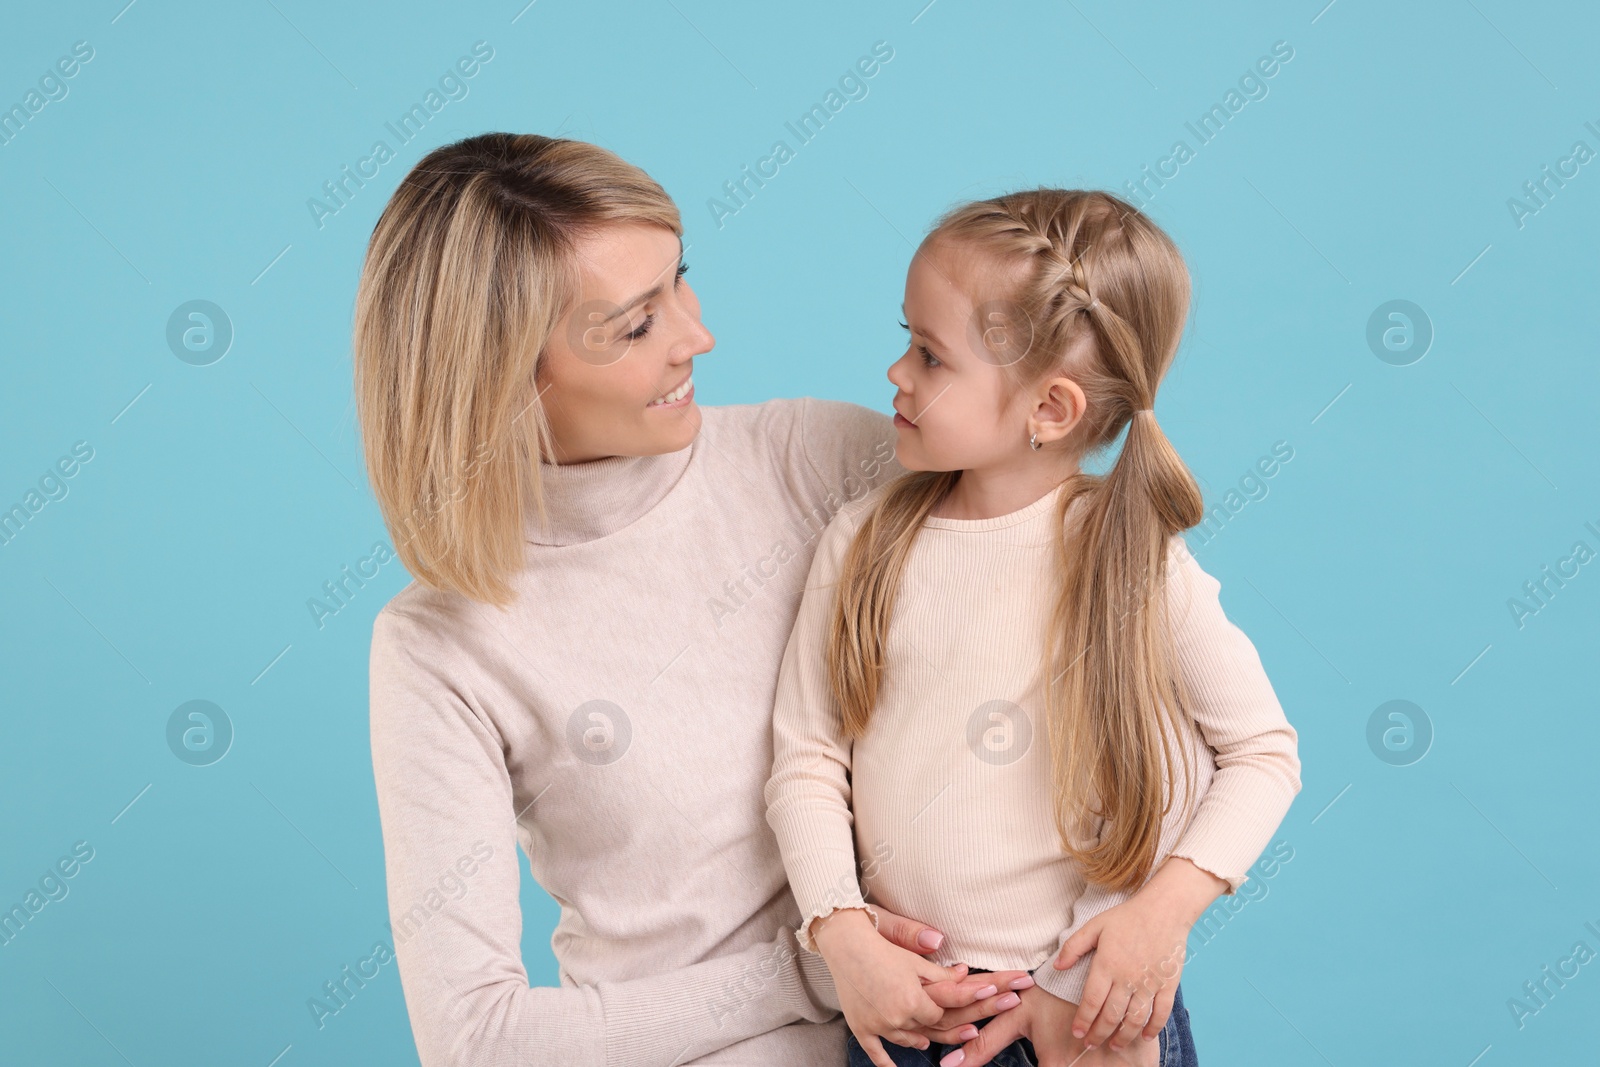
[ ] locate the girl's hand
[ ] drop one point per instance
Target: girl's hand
(1138, 958)
(1139, 948)
(880, 985)
(1044, 1020)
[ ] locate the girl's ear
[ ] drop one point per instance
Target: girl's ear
(1060, 405)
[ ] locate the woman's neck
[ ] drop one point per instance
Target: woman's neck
(591, 499)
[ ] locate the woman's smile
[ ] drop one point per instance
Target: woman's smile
(677, 397)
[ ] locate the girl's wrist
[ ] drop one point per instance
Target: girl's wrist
(827, 929)
(1185, 888)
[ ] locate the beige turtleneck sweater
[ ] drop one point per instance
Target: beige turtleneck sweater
(614, 722)
(944, 804)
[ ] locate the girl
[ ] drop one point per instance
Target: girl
(998, 625)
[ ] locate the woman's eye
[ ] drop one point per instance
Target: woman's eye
(683, 268)
(644, 328)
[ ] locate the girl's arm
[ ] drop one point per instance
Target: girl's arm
(445, 803)
(880, 985)
(1256, 750)
(808, 793)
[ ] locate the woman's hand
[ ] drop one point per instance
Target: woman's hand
(1044, 1020)
(1000, 994)
(965, 997)
(1138, 949)
(880, 985)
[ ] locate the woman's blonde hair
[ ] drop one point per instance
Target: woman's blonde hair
(469, 271)
(1090, 289)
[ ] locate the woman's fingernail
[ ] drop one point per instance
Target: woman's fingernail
(1010, 1000)
(986, 992)
(1022, 983)
(1078, 1031)
(955, 1059)
(930, 940)
(967, 1033)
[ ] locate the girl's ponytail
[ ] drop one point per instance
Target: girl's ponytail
(1116, 710)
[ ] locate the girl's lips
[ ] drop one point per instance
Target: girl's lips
(901, 420)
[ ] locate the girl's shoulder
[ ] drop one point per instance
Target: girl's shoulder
(1187, 583)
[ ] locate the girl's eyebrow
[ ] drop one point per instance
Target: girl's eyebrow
(926, 333)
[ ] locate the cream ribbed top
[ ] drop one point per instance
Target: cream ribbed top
(946, 799)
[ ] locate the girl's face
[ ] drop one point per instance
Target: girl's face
(615, 377)
(956, 409)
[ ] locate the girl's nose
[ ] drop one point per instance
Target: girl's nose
(894, 375)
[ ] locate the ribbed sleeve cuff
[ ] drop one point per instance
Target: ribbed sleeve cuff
(1228, 834)
(803, 933)
(814, 970)
(822, 874)
(647, 1023)
(1067, 984)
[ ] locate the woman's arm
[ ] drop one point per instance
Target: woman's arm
(444, 796)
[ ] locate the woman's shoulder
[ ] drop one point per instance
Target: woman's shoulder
(825, 446)
(424, 622)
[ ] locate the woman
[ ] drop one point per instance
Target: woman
(606, 576)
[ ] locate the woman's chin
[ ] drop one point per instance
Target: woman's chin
(676, 427)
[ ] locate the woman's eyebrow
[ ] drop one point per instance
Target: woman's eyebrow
(648, 295)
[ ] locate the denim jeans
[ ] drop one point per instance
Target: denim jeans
(1177, 1046)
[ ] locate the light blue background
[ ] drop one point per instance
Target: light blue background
(1378, 566)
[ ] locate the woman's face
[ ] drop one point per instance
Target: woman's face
(615, 377)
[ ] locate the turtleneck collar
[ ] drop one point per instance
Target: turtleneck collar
(587, 501)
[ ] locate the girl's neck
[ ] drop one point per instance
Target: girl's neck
(988, 494)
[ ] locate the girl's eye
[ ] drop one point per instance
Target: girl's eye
(683, 268)
(928, 358)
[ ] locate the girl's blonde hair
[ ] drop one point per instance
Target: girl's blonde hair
(1114, 701)
(469, 271)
